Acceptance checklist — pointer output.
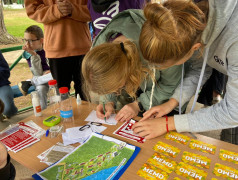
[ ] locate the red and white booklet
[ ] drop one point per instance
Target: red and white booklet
(126, 132)
(17, 139)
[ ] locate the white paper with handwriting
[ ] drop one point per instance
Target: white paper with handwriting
(92, 117)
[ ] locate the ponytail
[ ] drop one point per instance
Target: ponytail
(109, 66)
(137, 72)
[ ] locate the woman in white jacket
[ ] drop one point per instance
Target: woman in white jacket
(173, 32)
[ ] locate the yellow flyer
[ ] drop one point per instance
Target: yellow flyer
(196, 160)
(228, 156)
(190, 172)
(166, 149)
(202, 146)
(162, 162)
(225, 171)
(176, 137)
(151, 173)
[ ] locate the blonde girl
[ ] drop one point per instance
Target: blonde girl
(184, 27)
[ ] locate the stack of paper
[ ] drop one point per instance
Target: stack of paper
(21, 136)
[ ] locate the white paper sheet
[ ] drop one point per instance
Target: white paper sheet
(92, 117)
(77, 132)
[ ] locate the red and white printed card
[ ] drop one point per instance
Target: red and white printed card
(126, 132)
(25, 144)
(15, 138)
(18, 140)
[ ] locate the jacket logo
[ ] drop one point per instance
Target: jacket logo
(112, 11)
(218, 60)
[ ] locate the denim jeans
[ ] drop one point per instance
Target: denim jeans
(6, 95)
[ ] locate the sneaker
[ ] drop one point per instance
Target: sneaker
(24, 86)
(3, 118)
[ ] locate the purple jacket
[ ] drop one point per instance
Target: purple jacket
(100, 20)
(44, 64)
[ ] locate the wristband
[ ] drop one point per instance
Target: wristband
(167, 124)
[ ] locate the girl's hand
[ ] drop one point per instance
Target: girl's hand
(160, 110)
(46, 72)
(28, 48)
(152, 128)
(127, 112)
(109, 108)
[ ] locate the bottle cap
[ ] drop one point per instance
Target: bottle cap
(52, 82)
(63, 90)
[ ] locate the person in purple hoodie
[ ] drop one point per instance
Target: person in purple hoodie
(35, 56)
(102, 11)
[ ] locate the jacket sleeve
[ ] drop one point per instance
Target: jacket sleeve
(36, 66)
(191, 77)
(221, 115)
(42, 13)
(167, 81)
(4, 68)
(80, 12)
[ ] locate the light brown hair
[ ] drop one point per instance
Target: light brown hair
(170, 30)
(106, 68)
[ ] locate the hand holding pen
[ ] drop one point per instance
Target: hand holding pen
(105, 111)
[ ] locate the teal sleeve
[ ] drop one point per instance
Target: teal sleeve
(166, 82)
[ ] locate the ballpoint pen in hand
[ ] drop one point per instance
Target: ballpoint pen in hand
(104, 111)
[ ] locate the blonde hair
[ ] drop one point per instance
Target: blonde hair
(106, 68)
(170, 30)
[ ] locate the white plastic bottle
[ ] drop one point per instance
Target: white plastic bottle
(66, 109)
(78, 100)
(53, 96)
(36, 103)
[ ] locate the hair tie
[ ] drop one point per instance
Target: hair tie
(123, 48)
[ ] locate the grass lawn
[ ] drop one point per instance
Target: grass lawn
(16, 21)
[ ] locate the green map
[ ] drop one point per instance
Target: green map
(101, 157)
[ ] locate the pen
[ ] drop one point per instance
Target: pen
(104, 111)
(47, 132)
